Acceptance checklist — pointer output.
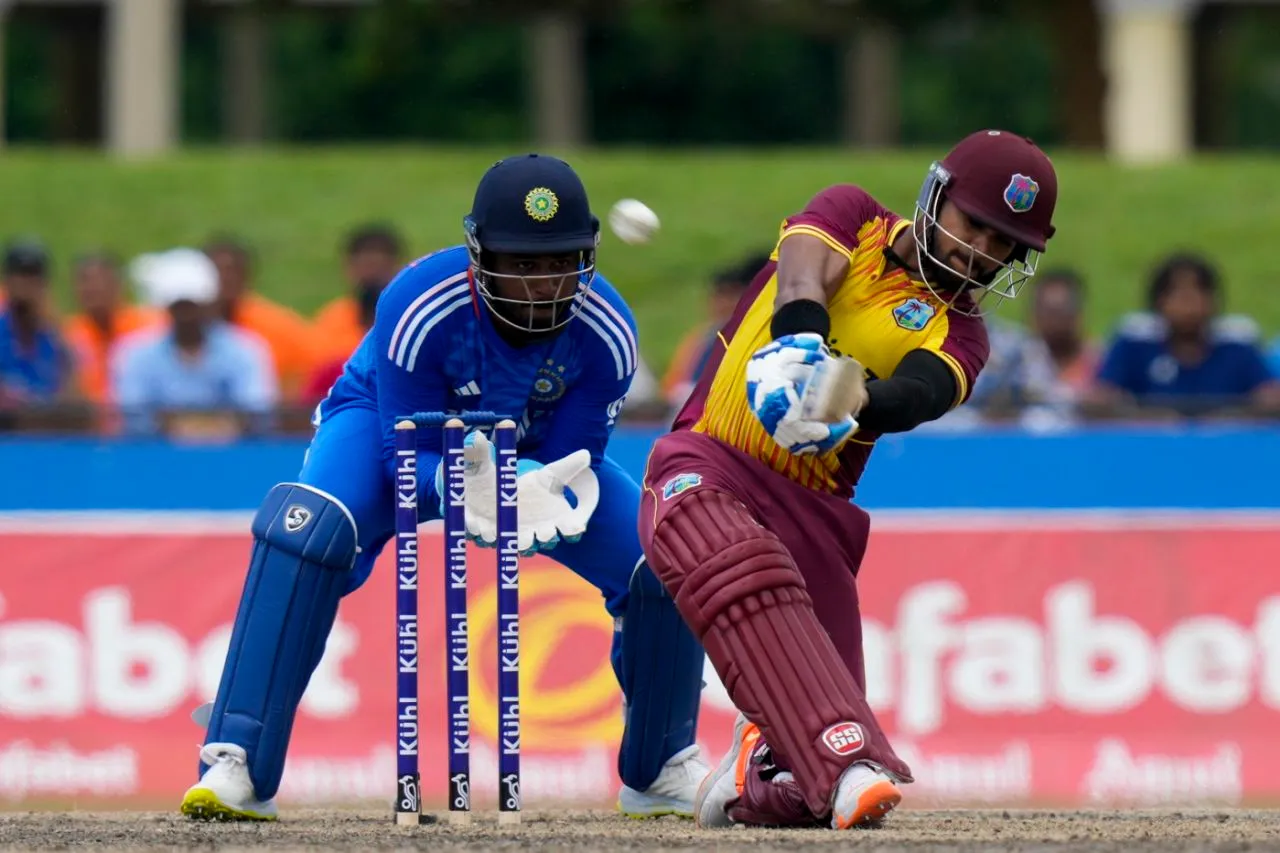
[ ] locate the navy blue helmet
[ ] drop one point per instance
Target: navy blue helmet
(535, 206)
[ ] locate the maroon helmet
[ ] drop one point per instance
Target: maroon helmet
(1004, 181)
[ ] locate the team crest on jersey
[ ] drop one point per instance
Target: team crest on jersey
(914, 314)
(1021, 193)
(548, 384)
(680, 483)
(541, 204)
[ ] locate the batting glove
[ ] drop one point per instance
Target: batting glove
(778, 375)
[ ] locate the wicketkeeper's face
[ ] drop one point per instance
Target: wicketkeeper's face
(532, 290)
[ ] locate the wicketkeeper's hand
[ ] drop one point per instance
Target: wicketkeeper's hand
(480, 478)
(546, 516)
(804, 396)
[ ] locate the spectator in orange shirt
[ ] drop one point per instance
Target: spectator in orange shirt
(322, 378)
(104, 318)
(374, 255)
(291, 339)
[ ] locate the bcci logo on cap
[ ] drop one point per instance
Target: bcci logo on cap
(1021, 193)
(844, 738)
(541, 204)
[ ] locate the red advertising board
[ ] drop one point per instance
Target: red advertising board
(1072, 662)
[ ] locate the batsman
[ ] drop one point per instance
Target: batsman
(515, 321)
(862, 323)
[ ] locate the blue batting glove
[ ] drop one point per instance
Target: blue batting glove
(777, 374)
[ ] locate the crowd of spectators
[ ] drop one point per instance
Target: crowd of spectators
(183, 342)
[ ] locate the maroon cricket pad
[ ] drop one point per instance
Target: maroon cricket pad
(744, 598)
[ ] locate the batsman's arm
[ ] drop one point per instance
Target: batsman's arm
(809, 272)
(814, 253)
(921, 389)
(930, 380)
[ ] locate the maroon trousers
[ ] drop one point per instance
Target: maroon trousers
(757, 563)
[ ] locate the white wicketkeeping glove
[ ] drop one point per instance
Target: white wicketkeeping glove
(480, 476)
(546, 517)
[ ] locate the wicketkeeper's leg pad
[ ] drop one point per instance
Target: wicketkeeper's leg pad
(659, 667)
(741, 593)
(303, 552)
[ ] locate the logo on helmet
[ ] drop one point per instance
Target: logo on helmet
(1021, 193)
(541, 204)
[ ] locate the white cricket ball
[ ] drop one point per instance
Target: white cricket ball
(632, 221)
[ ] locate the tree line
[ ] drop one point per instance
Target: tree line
(680, 72)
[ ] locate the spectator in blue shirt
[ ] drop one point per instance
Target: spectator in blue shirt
(1273, 356)
(1183, 356)
(201, 376)
(35, 363)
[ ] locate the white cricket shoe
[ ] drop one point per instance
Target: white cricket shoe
(225, 792)
(725, 782)
(672, 792)
(863, 796)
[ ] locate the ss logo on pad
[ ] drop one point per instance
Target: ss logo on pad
(296, 517)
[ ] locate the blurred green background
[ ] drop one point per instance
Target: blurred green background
(723, 116)
(295, 207)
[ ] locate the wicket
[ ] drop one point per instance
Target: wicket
(408, 804)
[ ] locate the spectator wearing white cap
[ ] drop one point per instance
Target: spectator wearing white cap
(199, 377)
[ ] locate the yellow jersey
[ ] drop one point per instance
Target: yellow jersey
(878, 315)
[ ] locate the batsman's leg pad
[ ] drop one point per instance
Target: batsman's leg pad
(740, 591)
(303, 552)
(660, 672)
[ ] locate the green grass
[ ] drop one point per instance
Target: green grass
(296, 204)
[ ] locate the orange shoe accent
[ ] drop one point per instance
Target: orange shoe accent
(750, 737)
(874, 803)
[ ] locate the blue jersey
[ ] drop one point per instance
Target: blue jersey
(1139, 361)
(434, 348)
(38, 374)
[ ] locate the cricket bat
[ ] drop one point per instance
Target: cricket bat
(836, 389)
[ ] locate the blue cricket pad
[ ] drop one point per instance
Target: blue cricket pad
(304, 550)
(659, 666)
